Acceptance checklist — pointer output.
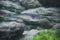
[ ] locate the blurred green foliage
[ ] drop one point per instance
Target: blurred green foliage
(46, 35)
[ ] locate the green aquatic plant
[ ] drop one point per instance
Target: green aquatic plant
(46, 35)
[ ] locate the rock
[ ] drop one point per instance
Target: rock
(57, 27)
(54, 18)
(11, 6)
(52, 14)
(29, 11)
(11, 30)
(28, 27)
(30, 3)
(14, 0)
(55, 14)
(40, 11)
(7, 16)
(44, 23)
(1, 19)
(35, 20)
(8, 19)
(2, 15)
(50, 3)
(28, 35)
(8, 13)
(29, 19)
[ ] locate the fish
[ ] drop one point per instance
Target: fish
(30, 17)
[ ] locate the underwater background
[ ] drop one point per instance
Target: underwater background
(29, 19)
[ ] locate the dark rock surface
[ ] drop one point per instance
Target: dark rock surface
(11, 6)
(11, 30)
(44, 23)
(29, 34)
(30, 3)
(2, 13)
(50, 3)
(57, 27)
